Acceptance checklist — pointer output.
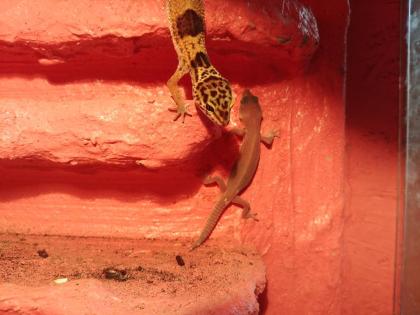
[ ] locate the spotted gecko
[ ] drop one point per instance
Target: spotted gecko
(212, 92)
(245, 167)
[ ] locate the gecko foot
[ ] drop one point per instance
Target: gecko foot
(250, 215)
(210, 180)
(182, 111)
(246, 211)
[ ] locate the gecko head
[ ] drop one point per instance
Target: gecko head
(250, 108)
(214, 98)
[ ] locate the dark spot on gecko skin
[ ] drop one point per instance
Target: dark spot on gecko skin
(213, 93)
(249, 98)
(189, 23)
(201, 60)
(225, 114)
(214, 78)
(210, 108)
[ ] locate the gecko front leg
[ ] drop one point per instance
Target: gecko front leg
(269, 138)
(210, 180)
(238, 131)
(181, 107)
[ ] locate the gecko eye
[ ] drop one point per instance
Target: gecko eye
(209, 108)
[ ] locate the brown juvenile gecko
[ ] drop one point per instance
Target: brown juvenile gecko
(245, 167)
(212, 93)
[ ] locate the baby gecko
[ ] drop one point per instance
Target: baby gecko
(212, 93)
(245, 167)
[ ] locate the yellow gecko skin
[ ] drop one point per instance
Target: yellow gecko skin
(245, 167)
(212, 93)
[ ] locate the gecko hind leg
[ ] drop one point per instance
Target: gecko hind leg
(181, 107)
(246, 212)
(210, 180)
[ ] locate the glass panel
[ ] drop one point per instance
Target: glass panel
(410, 289)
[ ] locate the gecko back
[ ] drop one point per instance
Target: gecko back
(212, 92)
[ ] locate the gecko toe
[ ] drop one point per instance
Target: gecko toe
(208, 180)
(251, 216)
(181, 111)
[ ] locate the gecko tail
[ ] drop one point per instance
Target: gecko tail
(211, 222)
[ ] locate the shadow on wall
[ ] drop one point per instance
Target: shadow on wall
(146, 62)
(140, 61)
(167, 184)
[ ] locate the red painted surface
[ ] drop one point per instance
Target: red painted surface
(303, 241)
(372, 158)
(89, 147)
